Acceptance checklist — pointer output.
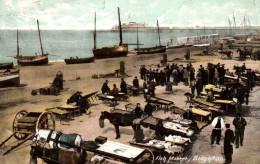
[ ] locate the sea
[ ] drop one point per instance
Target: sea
(61, 44)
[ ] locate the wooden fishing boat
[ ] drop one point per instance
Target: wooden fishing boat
(9, 79)
(120, 50)
(32, 60)
(152, 50)
(79, 60)
(179, 46)
(6, 65)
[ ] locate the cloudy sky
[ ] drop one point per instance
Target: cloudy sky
(79, 14)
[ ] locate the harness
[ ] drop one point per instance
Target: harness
(55, 140)
(49, 136)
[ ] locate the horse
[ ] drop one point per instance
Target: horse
(228, 53)
(244, 53)
(116, 120)
(57, 140)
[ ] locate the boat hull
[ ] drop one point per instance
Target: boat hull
(80, 60)
(6, 65)
(9, 80)
(110, 52)
(151, 50)
(33, 60)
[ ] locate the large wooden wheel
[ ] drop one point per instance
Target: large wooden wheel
(46, 121)
(147, 158)
(19, 135)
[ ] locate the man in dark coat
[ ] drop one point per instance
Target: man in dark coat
(199, 86)
(143, 72)
(57, 82)
(83, 104)
(148, 109)
(105, 88)
(239, 123)
(228, 141)
(159, 129)
(123, 86)
(162, 78)
(151, 88)
(188, 114)
(138, 111)
(136, 82)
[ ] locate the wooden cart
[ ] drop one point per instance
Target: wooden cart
(25, 125)
(202, 104)
(107, 150)
(131, 90)
(161, 103)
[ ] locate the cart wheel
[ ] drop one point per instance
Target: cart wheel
(19, 115)
(149, 156)
(45, 121)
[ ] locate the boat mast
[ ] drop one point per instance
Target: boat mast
(234, 20)
(17, 44)
(137, 39)
(40, 36)
(95, 35)
(120, 28)
(158, 32)
(230, 26)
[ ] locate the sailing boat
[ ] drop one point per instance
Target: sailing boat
(113, 51)
(32, 60)
(151, 50)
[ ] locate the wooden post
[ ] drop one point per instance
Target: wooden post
(122, 68)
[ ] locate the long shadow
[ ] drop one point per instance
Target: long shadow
(7, 105)
(22, 85)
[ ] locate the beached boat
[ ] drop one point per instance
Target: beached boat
(6, 65)
(120, 50)
(152, 50)
(80, 60)
(32, 60)
(8, 79)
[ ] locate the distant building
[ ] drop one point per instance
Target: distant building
(132, 26)
(202, 39)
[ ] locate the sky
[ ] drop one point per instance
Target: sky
(79, 14)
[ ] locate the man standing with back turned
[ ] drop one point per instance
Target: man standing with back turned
(239, 123)
(228, 144)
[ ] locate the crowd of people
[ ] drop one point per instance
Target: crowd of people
(213, 74)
